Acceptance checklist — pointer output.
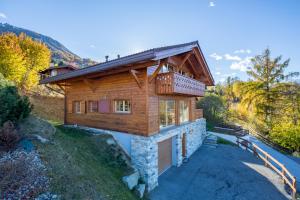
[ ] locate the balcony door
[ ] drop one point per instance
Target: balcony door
(184, 111)
(167, 113)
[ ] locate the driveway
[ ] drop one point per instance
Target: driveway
(292, 164)
(225, 172)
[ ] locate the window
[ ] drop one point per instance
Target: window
(166, 68)
(93, 106)
(122, 106)
(54, 72)
(76, 107)
(183, 111)
(166, 113)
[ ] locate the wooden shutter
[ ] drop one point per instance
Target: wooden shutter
(70, 107)
(83, 107)
(104, 106)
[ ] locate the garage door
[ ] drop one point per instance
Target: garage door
(164, 155)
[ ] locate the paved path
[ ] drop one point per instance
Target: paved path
(225, 172)
(291, 165)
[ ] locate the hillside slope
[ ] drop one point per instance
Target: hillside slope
(59, 51)
(80, 165)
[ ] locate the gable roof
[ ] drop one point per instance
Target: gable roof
(151, 54)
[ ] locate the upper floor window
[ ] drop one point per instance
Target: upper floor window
(76, 107)
(53, 72)
(93, 106)
(166, 68)
(122, 106)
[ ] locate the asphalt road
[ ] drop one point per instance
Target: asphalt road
(226, 172)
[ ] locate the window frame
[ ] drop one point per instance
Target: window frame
(90, 106)
(75, 107)
(123, 107)
(166, 114)
(179, 111)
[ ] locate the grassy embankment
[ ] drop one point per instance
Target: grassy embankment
(80, 165)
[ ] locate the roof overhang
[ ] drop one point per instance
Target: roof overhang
(152, 54)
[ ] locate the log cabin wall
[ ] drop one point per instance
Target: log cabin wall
(119, 86)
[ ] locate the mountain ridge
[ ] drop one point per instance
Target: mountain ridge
(58, 50)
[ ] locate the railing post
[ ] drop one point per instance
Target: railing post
(294, 189)
(266, 157)
(283, 173)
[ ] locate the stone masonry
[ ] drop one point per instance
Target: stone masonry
(144, 150)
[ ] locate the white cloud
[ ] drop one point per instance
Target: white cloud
(242, 65)
(248, 51)
(212, 4)
(216, 56)
(92, 46)
(218, 73)
(2, 15)
(230, 57)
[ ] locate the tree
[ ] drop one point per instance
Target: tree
(213, 108)
(262, 92)
(21, 58)
(13, 107)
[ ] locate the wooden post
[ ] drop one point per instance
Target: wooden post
(294, 189)
(283, 173)
(266, 156)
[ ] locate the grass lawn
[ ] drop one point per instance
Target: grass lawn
(83, 166)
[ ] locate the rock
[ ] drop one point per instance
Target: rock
(110, 141)
(131, 180)
(41, 139)
(140, 189)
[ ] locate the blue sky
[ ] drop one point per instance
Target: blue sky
(229, 32)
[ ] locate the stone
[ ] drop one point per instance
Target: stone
(140, 189)
(40, 138)
(131, 180)
(110, 141)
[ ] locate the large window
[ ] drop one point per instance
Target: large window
(122, 106)
(166, 113)
(183, 111)
(76, 107)
(93, 106)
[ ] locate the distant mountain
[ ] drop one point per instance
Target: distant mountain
(59, 51)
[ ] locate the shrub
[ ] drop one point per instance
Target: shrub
(13, 107)
(213, 108)
(286, 135)
(8, 136)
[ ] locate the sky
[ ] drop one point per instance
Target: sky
(229, 32)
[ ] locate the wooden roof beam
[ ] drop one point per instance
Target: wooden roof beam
(155, 73)
(186, 57)
(193, 68)
(91, 84)
(133, 73)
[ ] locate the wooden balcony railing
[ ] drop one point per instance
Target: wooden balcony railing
(175, 83)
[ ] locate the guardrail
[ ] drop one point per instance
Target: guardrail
(271, 162)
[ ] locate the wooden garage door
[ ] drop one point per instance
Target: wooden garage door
(164, 155)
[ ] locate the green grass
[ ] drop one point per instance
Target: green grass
(226, 142)
(83, 166)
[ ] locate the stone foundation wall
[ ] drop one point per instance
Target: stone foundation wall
(144, 150)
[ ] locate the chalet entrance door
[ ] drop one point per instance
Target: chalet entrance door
(164, 155)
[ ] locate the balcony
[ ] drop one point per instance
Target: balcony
(175, 83)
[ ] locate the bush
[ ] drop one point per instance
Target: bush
(286, 135)
(213, 108)
(13, 107)
(8, 136)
